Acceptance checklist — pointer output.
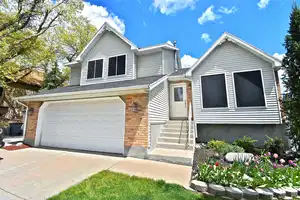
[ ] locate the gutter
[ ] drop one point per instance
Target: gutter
(26, 117)
(32, 97)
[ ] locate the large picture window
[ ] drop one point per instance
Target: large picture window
(117, 65)
(95, 68)
(214, 91)
(249, 90)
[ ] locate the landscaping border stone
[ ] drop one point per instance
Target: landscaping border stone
(250, 194)
(217, 190)
(291, 192)
(199, 186)
(234, 192)
(264, 194)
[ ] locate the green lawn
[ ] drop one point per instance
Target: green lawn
(109, 185)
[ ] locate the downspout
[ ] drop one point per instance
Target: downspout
(25, 121)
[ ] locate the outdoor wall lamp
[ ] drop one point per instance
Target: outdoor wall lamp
(135, 107)
(30, 111)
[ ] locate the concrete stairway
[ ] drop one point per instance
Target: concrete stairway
(172, 145)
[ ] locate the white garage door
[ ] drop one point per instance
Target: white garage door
(94, 125)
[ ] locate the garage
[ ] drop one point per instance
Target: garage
(90, 124)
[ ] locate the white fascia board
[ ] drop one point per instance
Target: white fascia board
(179, 78)
(229, 37)
(166, 46)
(156, 83)
(100, 92)
(71, 64)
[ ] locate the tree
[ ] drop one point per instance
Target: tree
(291, 77)
(22, 23)
(55, 78)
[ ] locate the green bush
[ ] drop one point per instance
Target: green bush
(223, 148)
(274, 145)
(246, 143)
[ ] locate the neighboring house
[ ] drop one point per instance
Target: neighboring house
(137, 101)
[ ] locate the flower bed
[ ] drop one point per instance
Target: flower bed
(265, 171)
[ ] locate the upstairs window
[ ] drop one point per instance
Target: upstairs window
(214, 93)
(249, 90)
(117, 65)
(95, 68)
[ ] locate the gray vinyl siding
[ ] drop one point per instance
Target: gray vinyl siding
(75, 75)
(108, 45)
(168, 61)
(159, 103)
(149, 65)
(229, 58)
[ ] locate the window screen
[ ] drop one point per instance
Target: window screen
(117, 65)
(249, 89)
(95, 68)
(178, 94)
(214, 91)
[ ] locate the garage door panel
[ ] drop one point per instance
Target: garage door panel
(96, 125)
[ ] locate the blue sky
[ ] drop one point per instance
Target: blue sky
(196, 24)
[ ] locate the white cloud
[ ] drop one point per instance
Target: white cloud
(144, 23)
(208, 15)
(262, 3)
(205, 37)
(187, 61)
(170, 43)
(172, 6)
(279, 56)
(227, 11)
(98, 15)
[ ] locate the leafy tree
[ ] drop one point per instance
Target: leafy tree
(22, 23)
(55, 78)
(291, 78)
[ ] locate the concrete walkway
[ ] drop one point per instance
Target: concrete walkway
(41, 173)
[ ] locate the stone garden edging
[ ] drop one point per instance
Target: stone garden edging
(245, 193)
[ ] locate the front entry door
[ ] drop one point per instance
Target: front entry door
(178, 103)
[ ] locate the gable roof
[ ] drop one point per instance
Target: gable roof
(229, 37)
(105, 27)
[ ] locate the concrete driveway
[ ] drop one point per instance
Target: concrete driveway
(41, 173)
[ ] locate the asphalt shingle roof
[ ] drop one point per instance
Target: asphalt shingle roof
(180, 72)
(118, 84)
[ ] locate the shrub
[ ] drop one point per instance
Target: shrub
(275, 145)
(246, 143)
(223, 148)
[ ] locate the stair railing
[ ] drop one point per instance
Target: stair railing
(190, 122)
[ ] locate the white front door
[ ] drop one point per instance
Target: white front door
(178, 104)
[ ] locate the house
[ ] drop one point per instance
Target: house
(138, 101)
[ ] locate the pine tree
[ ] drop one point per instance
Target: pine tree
(291, 77)
(54, 78)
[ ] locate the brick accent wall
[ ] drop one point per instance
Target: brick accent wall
(136, 128)
(32, 122)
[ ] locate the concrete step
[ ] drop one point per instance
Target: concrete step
(176, 134)
(182, 157)
(177, 122)
(178, 126)
(175, 140)
(176, 130)
(167, 145)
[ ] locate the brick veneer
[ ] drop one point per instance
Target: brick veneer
(32, 119)
(136, 128)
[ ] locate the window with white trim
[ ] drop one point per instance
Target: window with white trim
(249, 90)
(95, 68)
(214, 93)
(117, 65)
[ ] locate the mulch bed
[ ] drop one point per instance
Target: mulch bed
(14, 147)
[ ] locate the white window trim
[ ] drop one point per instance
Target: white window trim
(226, 87)
(263, 85)
(121, 75)
(95, 78)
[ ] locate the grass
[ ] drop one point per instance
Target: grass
(109, 185)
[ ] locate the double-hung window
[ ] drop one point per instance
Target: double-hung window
(95, 68)
(117, 65)
(214, 93)
(249, 90)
